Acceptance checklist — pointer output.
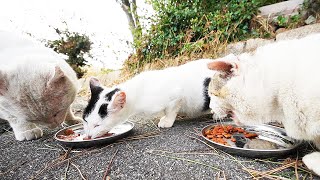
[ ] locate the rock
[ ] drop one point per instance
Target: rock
(310, 20)
(235, 48)
(253, 44)
(280, 30)
(299, 32)
(285, 8)
(245, 46)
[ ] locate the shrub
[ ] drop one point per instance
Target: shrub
(182, 27)
(75, 46)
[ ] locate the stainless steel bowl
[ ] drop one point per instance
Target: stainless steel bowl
(78, 128)
(285, 145)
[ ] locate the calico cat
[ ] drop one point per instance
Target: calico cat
(37, 87)
(279, 82)
(172, 91)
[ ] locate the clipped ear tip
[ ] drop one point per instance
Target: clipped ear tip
(94, 81)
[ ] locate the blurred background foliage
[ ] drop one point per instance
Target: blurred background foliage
(183, 30)
(201, 29)
(75, 46)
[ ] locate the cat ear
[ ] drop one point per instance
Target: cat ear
(229, 68)
(95, 86)
(119, 101)
(3, 83)
(94, 82)
(58, 77)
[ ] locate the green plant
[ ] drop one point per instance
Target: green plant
(196, 28)
(282, 21)
(180, 24)
(76, 46)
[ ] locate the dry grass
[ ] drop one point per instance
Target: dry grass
(263, 26)
(132, 66)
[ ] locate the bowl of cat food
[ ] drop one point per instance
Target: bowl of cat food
(74, 136)
(256, 141)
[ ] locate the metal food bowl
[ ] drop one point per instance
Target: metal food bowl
(275, 135)
(120, 131)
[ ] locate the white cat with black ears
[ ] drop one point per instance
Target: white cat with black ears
(175, 90)
(279, 82)
(37, 87)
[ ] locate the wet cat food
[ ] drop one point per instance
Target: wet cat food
(70, 135)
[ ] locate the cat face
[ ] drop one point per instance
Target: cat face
(57, 97)
(104, 109)
(43, 99)
(218, 89)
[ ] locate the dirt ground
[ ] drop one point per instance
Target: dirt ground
(148, 153)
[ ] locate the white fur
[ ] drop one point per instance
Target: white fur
(28, 68)
(172, 91)
(279, 82)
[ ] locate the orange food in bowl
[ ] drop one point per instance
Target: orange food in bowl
(220, 133)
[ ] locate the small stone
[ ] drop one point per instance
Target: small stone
(280, 30)
(285, 8)
(253, 44)
(299, 32)
(310, 20)
(235, 48)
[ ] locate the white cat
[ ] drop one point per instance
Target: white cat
(172, 91)
(279, 82)
(37, 86)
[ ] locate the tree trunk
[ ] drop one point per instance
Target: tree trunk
(130, 9)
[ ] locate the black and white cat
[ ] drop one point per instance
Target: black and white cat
(175, 90)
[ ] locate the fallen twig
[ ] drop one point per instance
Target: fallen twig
(220, 176)
(93, 150)
(194, 152)
(184, 159)
(296, 168)
(14, 167)
(211, 147)
(233, 158)
(106, 173)
(66, 171)
(78, 171)
(142, 136)
(258, 174)
(251, 171)
(66, 154)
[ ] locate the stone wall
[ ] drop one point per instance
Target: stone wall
(252, 44)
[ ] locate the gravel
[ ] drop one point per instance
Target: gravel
(172, 154)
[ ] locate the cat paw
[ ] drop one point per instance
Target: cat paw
(75, 120)
(312, 162)
(165, 123)
(31, 134)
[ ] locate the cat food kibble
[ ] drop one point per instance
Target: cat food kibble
(220, 133)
